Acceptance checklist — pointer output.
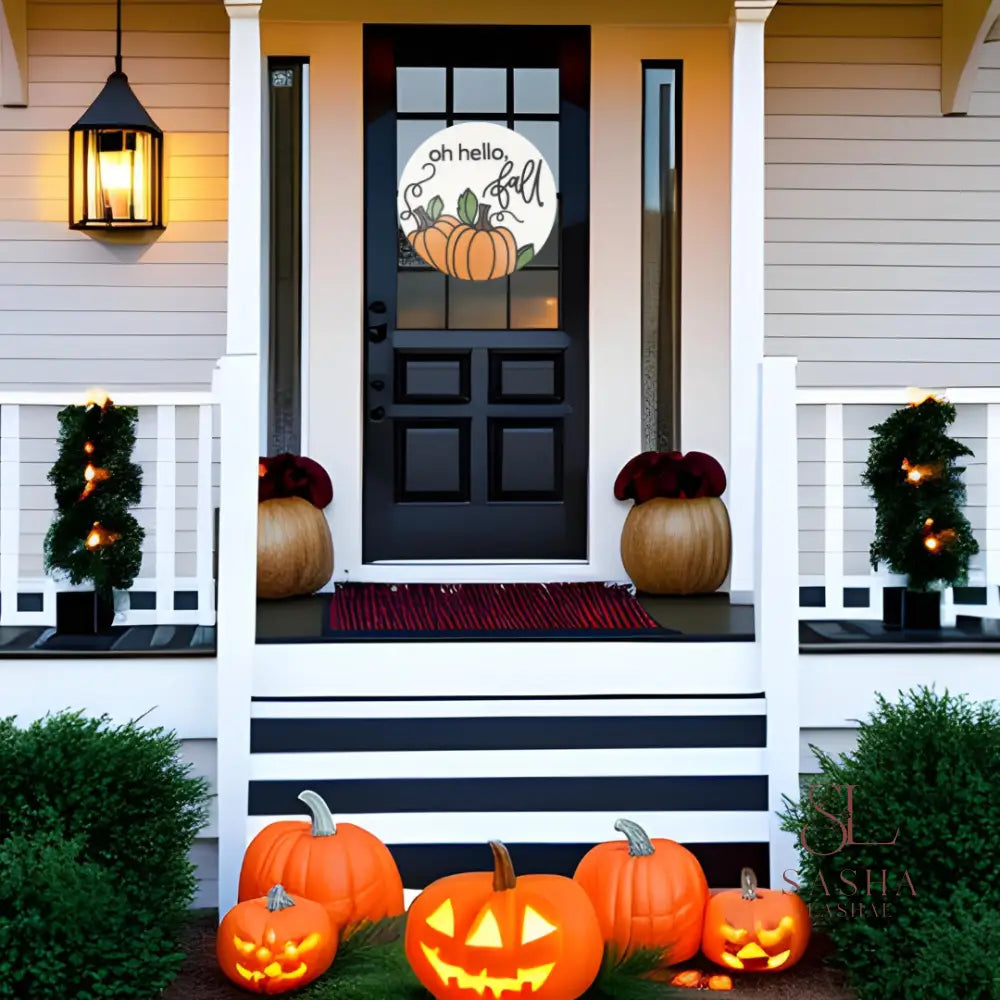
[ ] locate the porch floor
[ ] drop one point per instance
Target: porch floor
(703, 618)
(968, 635)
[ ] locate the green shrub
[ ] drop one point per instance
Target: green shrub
(925, 772)
(96, 823)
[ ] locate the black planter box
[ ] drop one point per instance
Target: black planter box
(910, 609)
(83, 612)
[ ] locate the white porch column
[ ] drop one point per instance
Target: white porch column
(776, 619)
(238, 389)
(746, 302)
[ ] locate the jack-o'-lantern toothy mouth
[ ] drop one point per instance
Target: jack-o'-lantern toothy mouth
(752, 958)
(273, 971)
(480, 983)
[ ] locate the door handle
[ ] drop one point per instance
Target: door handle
(377, 384)
(378, 306)
(378, 332)
(377, 414)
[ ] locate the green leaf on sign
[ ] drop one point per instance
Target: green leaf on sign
(525, 255)
(435, 207)
(468, 207)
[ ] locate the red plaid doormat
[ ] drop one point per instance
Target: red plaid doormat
(477, 610)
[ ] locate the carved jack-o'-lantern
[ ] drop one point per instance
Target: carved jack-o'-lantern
(274, 944)
(755, 930)
(479, 931)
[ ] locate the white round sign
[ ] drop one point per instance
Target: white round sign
(477, 201)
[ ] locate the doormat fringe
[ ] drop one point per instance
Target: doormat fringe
(477, 609)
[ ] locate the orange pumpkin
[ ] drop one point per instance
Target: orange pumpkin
(275, 943)
(481, 251)
(479, 931)
(648, 894)
(756, 930)
(430, 238)
(344, 867)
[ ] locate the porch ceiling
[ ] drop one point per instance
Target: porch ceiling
(625, 12)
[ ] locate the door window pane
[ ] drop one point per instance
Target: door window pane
(545, 135)
(410, 133)
(536, 91)
(420, 88)
(421, 304)
(534, 300)
(477, 304)
(480, 90)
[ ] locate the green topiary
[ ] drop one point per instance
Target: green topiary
(100, 438)
(912, 475)
(108, 806)
(924, 774)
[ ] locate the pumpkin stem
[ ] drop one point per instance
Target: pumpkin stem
(503, 868)
(483, 219)
(748, 882)
(322, 818)
(424, 221)
(278, 899)
(639, 844)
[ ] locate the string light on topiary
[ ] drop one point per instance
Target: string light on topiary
(917, 474)
(92, 477)
(98, 397)
(88, 448)
(98, 537)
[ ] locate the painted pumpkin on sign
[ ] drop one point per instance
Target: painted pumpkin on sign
(430, 238)
(481, 251)
(755, 930)
(275, 943)
(479, 931)
(344, 867)
(647, 893)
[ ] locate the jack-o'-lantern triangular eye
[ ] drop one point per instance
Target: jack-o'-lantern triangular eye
(535, 926)
(486, 934)
(443, 919)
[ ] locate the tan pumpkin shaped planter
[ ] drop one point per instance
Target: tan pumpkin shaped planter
(294, 548)
(676, 538)
(672, 546)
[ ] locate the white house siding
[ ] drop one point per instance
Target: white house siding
(201, 755)
(882, 232)
(76, 310)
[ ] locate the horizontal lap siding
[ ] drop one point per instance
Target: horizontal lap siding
(76, 310)
(882, 232)
(437, 779)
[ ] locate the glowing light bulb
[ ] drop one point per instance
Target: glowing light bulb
(116, 180)
(97, 397)
(88, 448)
(931, 543)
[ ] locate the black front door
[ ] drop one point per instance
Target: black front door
(475, 391)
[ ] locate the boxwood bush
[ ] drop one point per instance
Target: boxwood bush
(925, 773)
(96, 823)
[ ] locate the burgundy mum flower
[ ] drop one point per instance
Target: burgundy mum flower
(288, 475)
(670, 474)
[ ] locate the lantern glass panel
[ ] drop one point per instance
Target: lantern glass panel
(115, 178)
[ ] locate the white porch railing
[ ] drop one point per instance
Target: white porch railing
(179, 495)
(841, 471)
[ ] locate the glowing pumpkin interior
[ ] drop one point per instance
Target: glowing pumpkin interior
(764, 950)
(486, 933)
(274, 959)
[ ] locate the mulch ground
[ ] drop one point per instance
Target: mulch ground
(811, 979)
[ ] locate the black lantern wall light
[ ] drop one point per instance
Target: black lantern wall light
(116, 159)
